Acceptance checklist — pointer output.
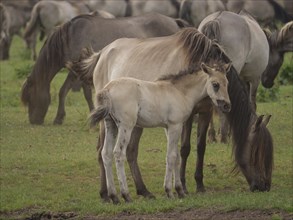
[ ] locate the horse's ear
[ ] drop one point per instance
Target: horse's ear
(267, 32)
(227, 67)
(267, 120)
(205, 68)
(257, 123)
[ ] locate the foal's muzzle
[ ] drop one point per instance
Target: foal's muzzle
(224, 106)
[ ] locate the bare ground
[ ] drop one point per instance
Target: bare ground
(198, 214)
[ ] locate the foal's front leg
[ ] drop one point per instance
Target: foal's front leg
(124, 134)
(173, 161)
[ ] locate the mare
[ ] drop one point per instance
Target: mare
(280, 42)
(46, 15)
(250, 57)
(65, 45)
(167, 102)
(194, 11)
(253, 147)
(13, 19)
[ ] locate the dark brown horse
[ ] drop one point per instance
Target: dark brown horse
(65, 45)
(253, 147)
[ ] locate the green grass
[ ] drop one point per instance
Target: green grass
(54, 168)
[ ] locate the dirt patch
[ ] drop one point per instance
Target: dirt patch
(198, 214)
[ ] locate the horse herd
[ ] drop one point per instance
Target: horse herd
(156, 71)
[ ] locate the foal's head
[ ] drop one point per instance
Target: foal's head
(217, 85)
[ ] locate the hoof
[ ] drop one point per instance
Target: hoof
(146, 194)
(104, 196)
(114, 199)
(180, 192)
(58, 121)
(200, 190)
(127, 198)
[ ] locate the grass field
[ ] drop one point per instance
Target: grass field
(55, 168)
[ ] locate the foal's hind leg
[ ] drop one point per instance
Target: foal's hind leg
(107, 155)
(172, 165)
(124, 134)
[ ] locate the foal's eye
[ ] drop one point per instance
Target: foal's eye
(216, 86)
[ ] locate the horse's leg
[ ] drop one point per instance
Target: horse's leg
(100, 144)
(253, 90)
(185, 149)
(124, 135)
(107, 156)
(224, 130)
(202, 127)
(132, 153)
(212, 131)
(62, 94)
(173, 134)
(87, 92)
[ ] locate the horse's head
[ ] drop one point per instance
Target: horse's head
(37, 98)
(256, 162)
(217, 85)
(280, 42)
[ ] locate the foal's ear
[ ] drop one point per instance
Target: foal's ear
(267, 120)
(205, 68)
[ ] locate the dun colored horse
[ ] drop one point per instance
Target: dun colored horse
(168, 102)
(145, 59)
(65, 44)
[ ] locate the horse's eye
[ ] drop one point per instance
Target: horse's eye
(216, 86)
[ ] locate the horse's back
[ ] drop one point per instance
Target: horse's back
(97, 32)
(243, 40)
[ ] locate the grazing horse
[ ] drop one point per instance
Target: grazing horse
(250, 57)
(280, 42)
(46, 15)
(253, 151)
(65, 45)
(194, 11)
(168, 102)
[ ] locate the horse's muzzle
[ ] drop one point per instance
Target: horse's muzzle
(224, 106)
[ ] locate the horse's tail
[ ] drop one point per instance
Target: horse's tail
(212, 30)
(103, 108)
(33, 23)
(84, 67)
(185, 11)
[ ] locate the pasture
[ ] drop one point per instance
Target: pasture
(53, 169)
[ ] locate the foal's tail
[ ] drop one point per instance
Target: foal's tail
(102, 110)
(84, 67)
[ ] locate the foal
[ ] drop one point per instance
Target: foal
(168, 102)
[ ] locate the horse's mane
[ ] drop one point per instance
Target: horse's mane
(262, 150)
(199, 48)
(284, 35)
(51, 57)
(241, 112)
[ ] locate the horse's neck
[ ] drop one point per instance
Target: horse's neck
(193, 86)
